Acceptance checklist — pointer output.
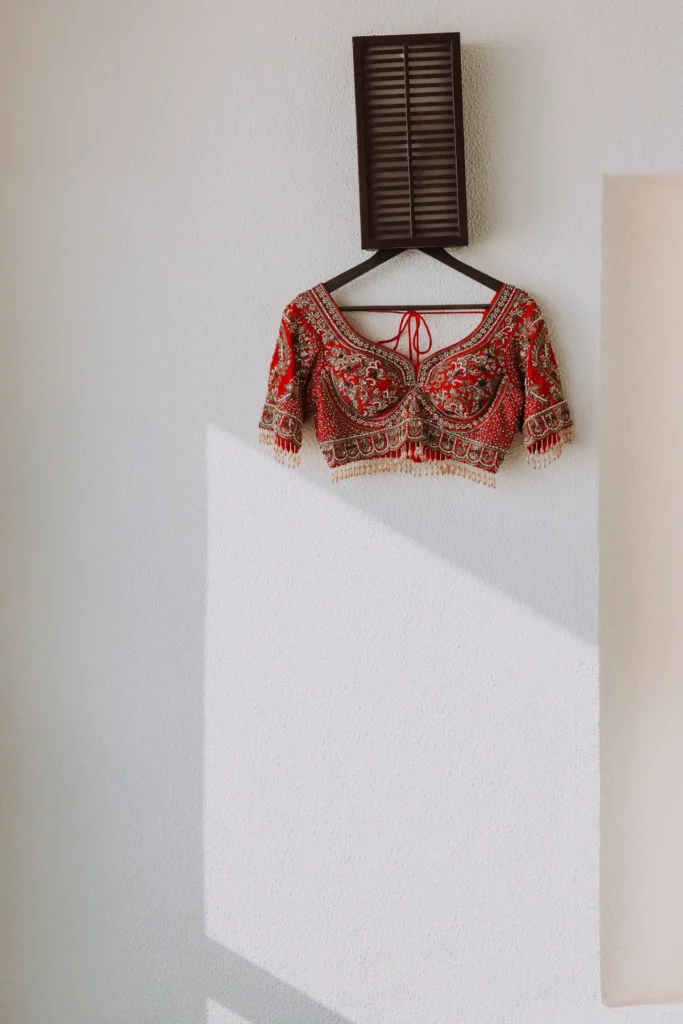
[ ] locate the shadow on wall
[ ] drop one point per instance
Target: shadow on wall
(255, 995)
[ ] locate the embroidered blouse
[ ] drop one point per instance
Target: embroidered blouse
(455, 411)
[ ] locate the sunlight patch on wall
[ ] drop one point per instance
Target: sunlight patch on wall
(392, 761)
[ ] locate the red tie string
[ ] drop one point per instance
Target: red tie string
(412, 322)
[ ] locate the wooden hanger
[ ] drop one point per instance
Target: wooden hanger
(440, 254)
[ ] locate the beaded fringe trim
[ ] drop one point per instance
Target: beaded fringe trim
(403, 465)
(547, 451)
(283, 450)
(550, 448)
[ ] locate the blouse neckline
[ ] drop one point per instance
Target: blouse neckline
(336, 316)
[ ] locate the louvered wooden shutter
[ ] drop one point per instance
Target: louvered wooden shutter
(411, 147)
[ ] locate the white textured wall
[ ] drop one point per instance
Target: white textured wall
(282, 752)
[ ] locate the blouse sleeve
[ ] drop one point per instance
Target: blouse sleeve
(290, 369)
(546, 419)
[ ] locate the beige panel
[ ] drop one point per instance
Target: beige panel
(641, 591)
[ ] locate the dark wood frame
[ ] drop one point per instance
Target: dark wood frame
(414, 240)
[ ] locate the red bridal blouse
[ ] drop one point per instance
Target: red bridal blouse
(455, 411)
